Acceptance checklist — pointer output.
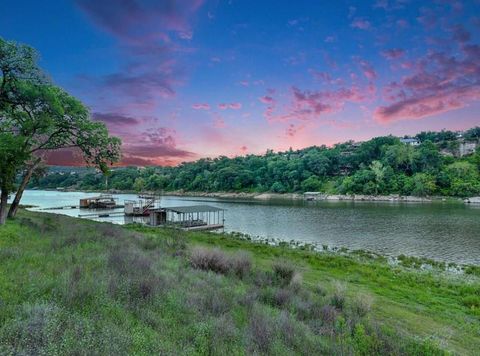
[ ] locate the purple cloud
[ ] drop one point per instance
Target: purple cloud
(134, 20)
(233, 106)
(440, 83)
(201, 106)
(143, 29)
(115, 119)
(361, 24)
(393, 53)
(367, 69)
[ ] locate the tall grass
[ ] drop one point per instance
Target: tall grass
(77, 287)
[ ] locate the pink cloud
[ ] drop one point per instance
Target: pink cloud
(266, 99)
(143, 29)
(312, 105)
(367, 69)
(439, 83)
(154, 147)
(219, 122)
(201, 106)
(115, 119)
(233, 106)
(292, 129)
(421, 107)
(361, 24)
(134, 19)
(321, 76)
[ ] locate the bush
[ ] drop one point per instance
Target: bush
(209, 260)
(296, 282)
(361, 305)
(339, 296)
(261, 332)
(241, 264)
(219, 262)
(284, 272)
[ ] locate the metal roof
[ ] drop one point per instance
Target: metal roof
(193, 209)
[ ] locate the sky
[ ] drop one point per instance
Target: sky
(178, 80)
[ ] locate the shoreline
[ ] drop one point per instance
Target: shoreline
(412, 262)
(266, 196)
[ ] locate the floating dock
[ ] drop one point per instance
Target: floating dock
(103, 201)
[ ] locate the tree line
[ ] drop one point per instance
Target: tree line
(37, 117)
(382, 165)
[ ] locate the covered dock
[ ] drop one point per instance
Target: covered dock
(103, 201)
(196, 217)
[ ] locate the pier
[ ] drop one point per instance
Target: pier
(103, 201)
(197, 217)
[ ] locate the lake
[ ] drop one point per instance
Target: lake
(442, 231)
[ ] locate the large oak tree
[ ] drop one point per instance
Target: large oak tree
(39, 117)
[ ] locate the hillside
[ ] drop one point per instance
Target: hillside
(431, 163)
(80, 287)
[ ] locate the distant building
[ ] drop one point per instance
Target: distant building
(410, 141)
(467, 148)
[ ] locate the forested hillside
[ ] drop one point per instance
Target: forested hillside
(435, 163)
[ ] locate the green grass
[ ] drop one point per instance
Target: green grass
(71, 286)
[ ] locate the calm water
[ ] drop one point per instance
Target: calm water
(442, 231)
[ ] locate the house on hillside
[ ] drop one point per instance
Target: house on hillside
(410, 141)
(467, 148)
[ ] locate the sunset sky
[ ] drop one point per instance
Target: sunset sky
(185, 79)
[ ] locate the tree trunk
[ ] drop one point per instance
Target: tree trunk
(18, 196)
(3, 206)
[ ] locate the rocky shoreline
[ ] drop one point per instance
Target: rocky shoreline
(319, 197)
(300, 196)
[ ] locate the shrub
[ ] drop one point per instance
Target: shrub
(261, 332)
(328, 314)
(207, 301)
(241, 264)
(209, 260)
(296, 282)
(282, 297)
(78, 288)
(276, 297)
(29, 333)
(361, 305)
(124, 260)
(284, 271)
(219, 262)
(338, 297)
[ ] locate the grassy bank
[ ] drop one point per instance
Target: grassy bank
(77, 286)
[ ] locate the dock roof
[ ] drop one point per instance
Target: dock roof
(193, 209)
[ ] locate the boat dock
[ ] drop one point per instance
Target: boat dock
(103, 201)
(190, 218)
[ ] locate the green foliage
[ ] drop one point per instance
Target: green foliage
(423, 184)
(12, 156)
(382, 165)
(44, 118)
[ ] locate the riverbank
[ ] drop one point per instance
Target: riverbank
(319, 197)
(71, 285)
(268, 196)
